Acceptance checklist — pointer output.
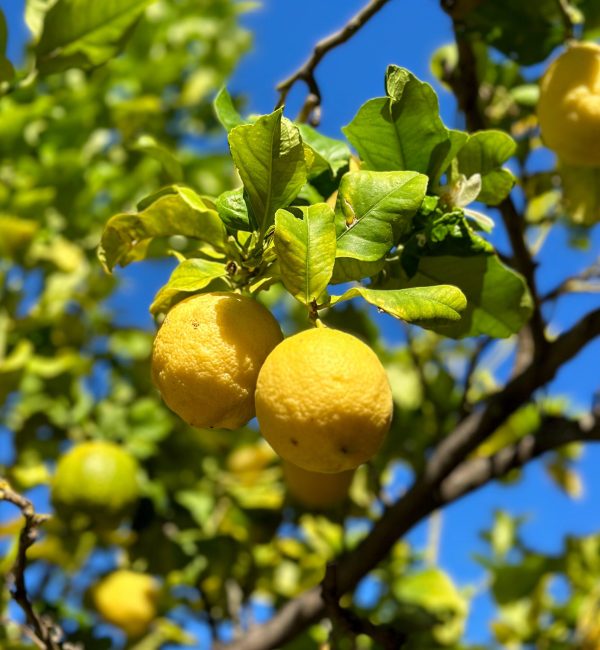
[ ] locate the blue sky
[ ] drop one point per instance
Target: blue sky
(405, 33)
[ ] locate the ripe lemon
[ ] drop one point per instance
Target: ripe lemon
(127, 599)
(207, 355)
(248, 462)
(323, 400)
(569, 105)
(316, 489)
(96, 483)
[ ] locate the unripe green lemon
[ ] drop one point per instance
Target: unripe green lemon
(207, 355)
(323, 401)
(569, 105)
(95, 483)
(127, 599)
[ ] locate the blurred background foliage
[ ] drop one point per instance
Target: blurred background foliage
(83, 135)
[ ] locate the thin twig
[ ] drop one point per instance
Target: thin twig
(567, 17)
(311, 110)
(44, 632)
(577, 283)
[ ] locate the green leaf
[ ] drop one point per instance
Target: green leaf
(374, 209)
(7, 71)
(581, 193)
(189, 277)
(35, 12)
(305, 247)
(566, 478)
(498, 301)
(269, 156)
(434, 591)
(234, 211)
(442, 302)
(334, 153)
(226, 111)
(149, 145)
(175, 210)
(512, 582)
(484, 154)
(402, 131)
(85, 33)
(524, 31)
(503, 535)
(347, 269)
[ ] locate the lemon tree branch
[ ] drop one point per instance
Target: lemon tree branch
(447, 477)
(465, 84)
(306, 72)
(43, 632)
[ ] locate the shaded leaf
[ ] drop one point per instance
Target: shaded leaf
(524, 31)
(176, 210)
(234, 211)
(348, 269)
(7, 71)
(85, 33)
(511, 583)
(334, 153)
(434, 591)
(151, 147)
(305, 245)
(498, 301)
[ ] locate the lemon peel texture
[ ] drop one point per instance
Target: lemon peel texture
(207, 355)
(569, 105)
(323, 401)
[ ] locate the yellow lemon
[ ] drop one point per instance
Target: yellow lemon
(248, 462)
(323, 400)
(95, 483)
(569, 105)
(316, 489)
(207, 355)
(127, 599)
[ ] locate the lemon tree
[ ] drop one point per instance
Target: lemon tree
(386, 297)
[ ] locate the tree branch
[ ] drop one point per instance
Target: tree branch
(445, 479)
(43, 632)
(388, 637)
(465, 84)
(554, 433)
(577, 284)
(306, 72)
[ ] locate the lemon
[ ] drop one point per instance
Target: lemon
(248, 462)
(323, 400)
(315, 489)
(127, 599)
(95, 483)
(207, 355)
(569, 105)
